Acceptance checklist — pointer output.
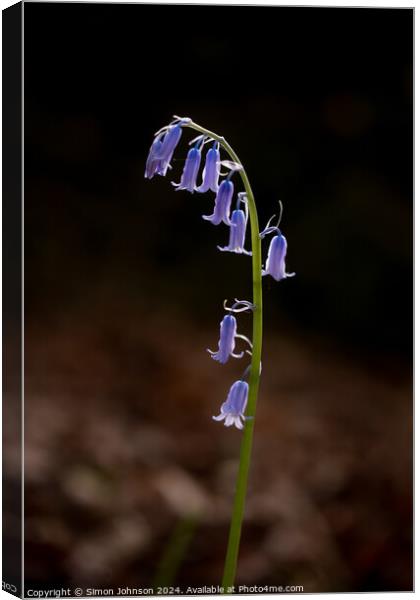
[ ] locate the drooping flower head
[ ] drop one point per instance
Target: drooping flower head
(276, 259)
(232, 411)
(154, 158)
(228, 329)
(237, 231)
(163, 147)
(227, 340)
(190, 172)
(211, 170)
(169, 143)
(222, 204)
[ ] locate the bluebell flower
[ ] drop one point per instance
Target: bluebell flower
(153, 162)
(169, 143)
(227, 340)
(232, 411)
(163, 147)
(228, 329)
(276, 259)
(190, 172)
(222, 204)
(237, 234)
(211, 170)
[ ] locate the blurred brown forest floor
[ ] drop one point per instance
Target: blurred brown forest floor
(120, 446)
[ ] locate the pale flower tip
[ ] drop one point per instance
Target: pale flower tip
(230, 164)
(218, 418)
(182, 120)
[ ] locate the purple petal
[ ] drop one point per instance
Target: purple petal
(190, 172)
(211, 171)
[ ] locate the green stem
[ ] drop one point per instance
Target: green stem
(254, 378)
(175, 551)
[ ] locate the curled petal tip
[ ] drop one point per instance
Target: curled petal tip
(211, 218)
(231, 165)
(218, 418)
(239, 306)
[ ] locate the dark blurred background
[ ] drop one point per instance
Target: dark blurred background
(124, 289)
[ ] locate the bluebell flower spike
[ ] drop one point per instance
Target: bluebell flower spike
(276, 259)
(211, 170)
(222, 204)
(232, 411)
(227, 340)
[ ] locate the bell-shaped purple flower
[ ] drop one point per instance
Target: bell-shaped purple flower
(276, 259)
(237, 234)
(232, 411)
(211, 170)
(227, 340)
(222, 204)
(228, 329)
(154, 158)
(169, 143)
(190, 172)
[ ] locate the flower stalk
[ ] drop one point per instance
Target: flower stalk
(254, 377)
(240, 406)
